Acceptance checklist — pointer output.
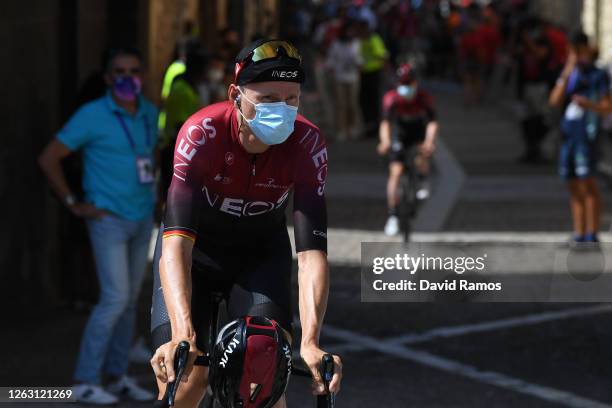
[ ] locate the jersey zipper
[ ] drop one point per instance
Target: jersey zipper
(252, 173)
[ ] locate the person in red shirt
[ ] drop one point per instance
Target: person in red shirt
(409, 119)
(472, 56)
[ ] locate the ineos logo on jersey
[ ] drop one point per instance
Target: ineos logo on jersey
(284, 74)
(239, 207)
(318, 153)
(195, 136)
(229, 158)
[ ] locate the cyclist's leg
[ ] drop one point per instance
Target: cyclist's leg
(190, 393)
(263, 287)
(397, 156)
(422, 161)
(396, 169)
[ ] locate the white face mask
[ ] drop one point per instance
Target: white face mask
(273, 121)
(406, 91)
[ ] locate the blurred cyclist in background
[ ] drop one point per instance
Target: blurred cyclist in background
(409, 119)
(583, 91)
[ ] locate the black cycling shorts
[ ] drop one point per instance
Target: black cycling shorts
(405, 134)
(254, 280)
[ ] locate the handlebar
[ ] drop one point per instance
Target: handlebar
(182, 355)
(180, 361)
(327, 373)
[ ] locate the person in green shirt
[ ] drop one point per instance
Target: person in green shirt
(374, 55)
(182, 102)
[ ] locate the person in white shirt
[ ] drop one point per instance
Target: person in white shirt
(344, 60)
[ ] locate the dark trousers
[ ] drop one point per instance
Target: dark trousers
(534, 130)
(369, 100)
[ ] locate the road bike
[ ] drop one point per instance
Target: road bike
(409, 182)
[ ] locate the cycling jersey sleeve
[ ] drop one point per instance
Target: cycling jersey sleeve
(184, 196)
(387, 105)
(309, 207)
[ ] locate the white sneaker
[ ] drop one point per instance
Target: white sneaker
(423, 191)
(422, 194)
(392, 226)
(127, 387)
(93, 394)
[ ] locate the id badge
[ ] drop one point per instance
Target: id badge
(146, 173)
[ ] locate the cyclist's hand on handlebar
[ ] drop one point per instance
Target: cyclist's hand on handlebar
(383, 148)
(312, 356)
(427, 149)
(163, 360)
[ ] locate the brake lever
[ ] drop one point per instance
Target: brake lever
(180, 361)
(327, 373)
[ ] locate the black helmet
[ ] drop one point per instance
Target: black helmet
(268, 60)
(406, 74)
(250, 364)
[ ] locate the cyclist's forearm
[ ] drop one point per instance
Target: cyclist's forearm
(175, 275)
(431, 132)
(313, 280)
(384, 132)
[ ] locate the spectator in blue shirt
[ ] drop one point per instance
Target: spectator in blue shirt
(117, 136)
(583, 92)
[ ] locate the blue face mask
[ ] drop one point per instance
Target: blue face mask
(406, 91)
(273, 122)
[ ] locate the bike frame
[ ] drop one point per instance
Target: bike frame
(408, 202)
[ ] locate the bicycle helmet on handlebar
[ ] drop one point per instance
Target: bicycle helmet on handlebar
(250, 363)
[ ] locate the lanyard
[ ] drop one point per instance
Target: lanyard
(129, 135)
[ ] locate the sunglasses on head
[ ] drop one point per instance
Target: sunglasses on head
(269, 50)
(273, 49)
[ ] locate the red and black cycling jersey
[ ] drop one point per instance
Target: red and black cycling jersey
(419, 108)
(223, 194)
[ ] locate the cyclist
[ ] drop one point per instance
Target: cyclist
(235, 164)
(409, 119)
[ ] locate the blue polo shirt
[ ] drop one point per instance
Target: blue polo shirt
(110, 176)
